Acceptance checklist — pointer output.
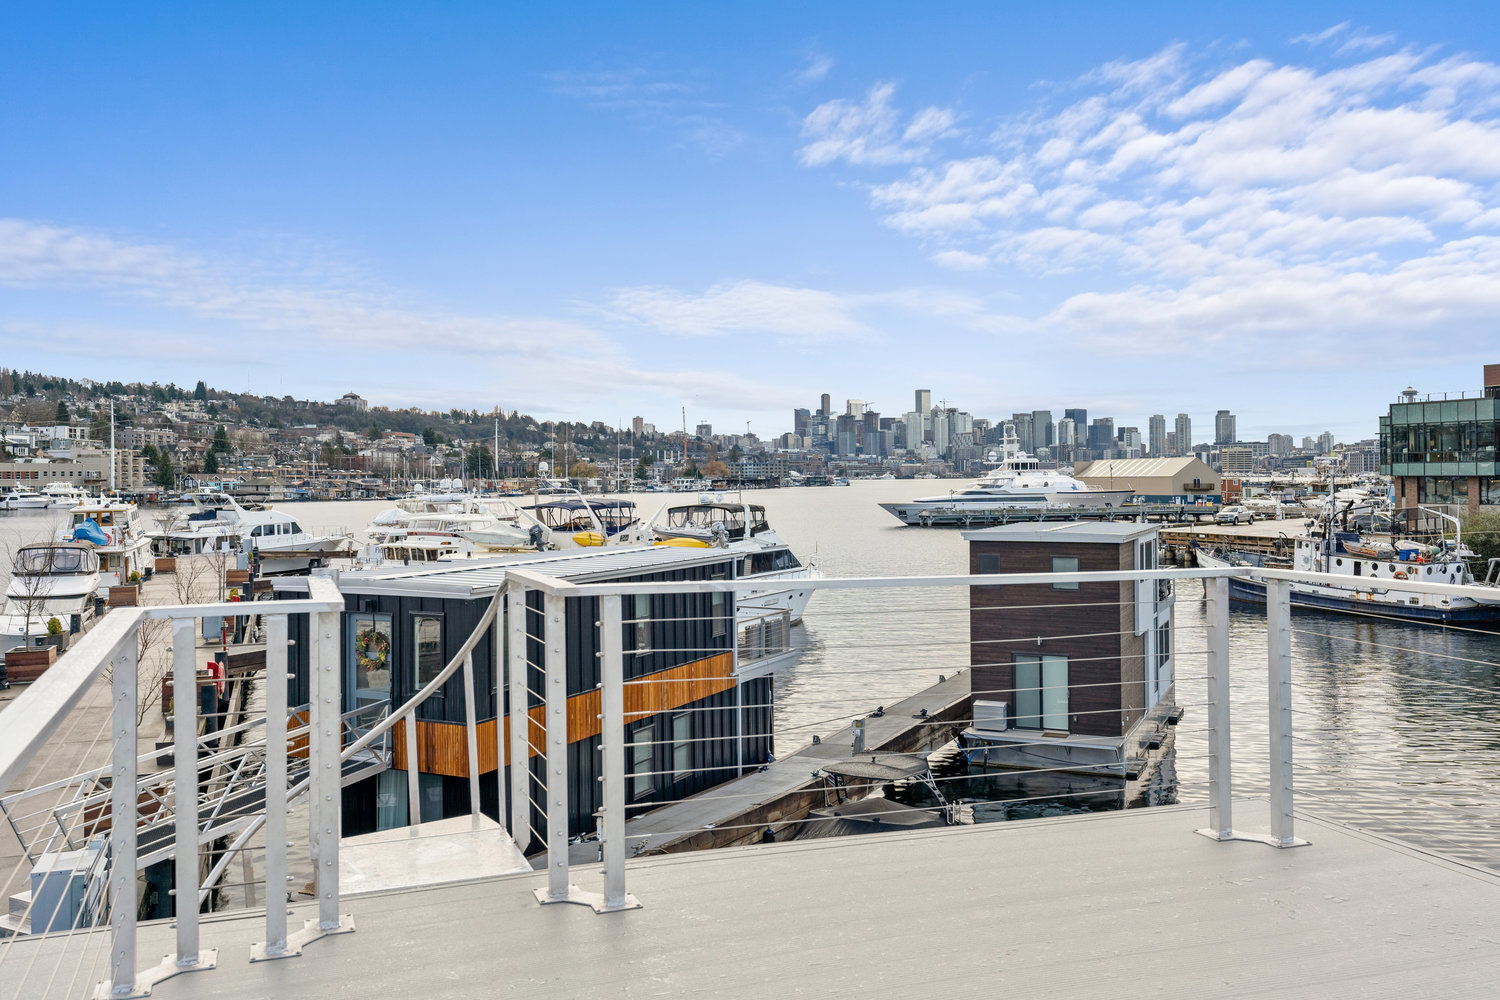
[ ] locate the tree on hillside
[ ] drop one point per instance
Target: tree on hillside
(479, 463)
(166, 473)
(221, 441)
(200, 391)
(210, 463)
(62, 412)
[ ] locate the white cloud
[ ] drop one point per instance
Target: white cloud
(818, 67)
(742, 306)
(1215, 197)
(871, 133)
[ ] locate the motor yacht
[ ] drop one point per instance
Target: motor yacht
(116, 531)
(1016, 482)
(23, 498)
(57, 581)
(210, 521)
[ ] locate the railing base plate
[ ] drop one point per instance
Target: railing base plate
(1253, 838)
(309, 933)
(594, 900)
(208, 958)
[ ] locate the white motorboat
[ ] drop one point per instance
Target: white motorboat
(1017, 482)
(23, 498)
(214, 522)
(60, 494)
(115, 530)
(764, 555)
(48, 583)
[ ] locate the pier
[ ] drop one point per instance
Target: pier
(1270, 538)
(1176, 513)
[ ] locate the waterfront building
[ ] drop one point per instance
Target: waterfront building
(1154, 480)
(1443, 450)
(1184, 429)
(1085, 664)
(402, 626)
(1157, 439)
(1224, 432)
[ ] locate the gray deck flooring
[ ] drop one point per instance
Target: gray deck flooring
(1121, 905)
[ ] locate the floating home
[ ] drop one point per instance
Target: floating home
(704, 720)
(1069, 676)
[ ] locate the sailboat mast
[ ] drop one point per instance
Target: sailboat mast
(113, 461)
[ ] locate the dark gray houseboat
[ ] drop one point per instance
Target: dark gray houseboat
(703, 720)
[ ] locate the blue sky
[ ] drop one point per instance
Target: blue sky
(599, 211)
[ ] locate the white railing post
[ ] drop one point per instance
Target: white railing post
(413, 771)
(518, 683)
(612, 738)
(324, 744)
(556, 698)
(1279, 703)
(472, 731)
(275, 944)
(1220, 777)
(185, 764)
(122, 823)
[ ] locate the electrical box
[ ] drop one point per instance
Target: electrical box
(990, 716)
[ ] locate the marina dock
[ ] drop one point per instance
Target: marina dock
(1266, 537)
(780, 794)
(1175, 513)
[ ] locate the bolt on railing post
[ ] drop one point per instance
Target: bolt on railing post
(185, 763)
(517, 683)
(1279, 702)
(1220, 775)
(472, 732)
(557, 749)
(612, 730)
(276, 769)
(122, 820)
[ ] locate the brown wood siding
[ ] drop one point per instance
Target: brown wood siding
(1085, 625)
(442, 746)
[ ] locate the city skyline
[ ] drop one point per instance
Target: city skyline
(1275, 210)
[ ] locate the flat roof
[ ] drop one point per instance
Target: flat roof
(476, 578)
(1132, 903)
(1100, 532)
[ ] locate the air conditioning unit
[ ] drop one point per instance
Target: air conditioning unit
(991, 716)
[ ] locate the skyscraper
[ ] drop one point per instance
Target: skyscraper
(801, 422)
(1041, 430)
(1224, 428)
(1080, 420)
(924, 401)
(1024, 431)
(1184, 434)
(1156, 435)
(827, 402)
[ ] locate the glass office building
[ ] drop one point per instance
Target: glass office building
(1443, 450)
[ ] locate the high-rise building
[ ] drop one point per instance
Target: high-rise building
(1129, 439)
(1157, 435)
(854, 407)
(1066, 438)
(1224, 428)
(915, 422)
(801, 421)
(827, 402)
(1184, 435)
(1279, 444)
(704, 431)
(1024, 431)
(637, 425)
(1325, 443)
(924, 401)
(1102, 437)
(940, 431)
(1041, 430)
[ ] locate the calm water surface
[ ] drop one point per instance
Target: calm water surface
(1397, 726)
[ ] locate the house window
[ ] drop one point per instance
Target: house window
(1065, 564)
(682, 734)
(641, 779)
(988, 563)
(1042, 692)
(718, 614)
(642, 622)
(427, 634)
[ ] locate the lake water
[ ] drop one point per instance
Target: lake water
(1397, 726)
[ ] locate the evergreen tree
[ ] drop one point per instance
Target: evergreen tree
(200, 391)
(166, 473)
(221, 441)
(210, 463)
(62, 412)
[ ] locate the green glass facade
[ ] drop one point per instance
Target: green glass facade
(1446, 442)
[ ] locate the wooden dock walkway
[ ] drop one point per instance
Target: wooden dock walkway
(781, 793)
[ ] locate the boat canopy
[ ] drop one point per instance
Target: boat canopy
(730, 515)
(573, 515)
(49, 560)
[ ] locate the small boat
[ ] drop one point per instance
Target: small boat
(60, 494)
(215, 522)
(1369, 550)
(23, 498)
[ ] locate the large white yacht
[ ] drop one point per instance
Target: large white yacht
(61, 494)
(1016, 482)
(116, 530)
(214, 522)
(22, 498)
(48, 582)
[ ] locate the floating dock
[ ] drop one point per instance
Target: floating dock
(954, 517)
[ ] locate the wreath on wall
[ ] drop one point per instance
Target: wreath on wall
(374, 649)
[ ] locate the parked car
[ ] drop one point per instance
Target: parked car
(1235, 515)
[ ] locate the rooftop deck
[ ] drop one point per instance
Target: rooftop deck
(1131, 903)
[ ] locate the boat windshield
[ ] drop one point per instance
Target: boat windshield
(573, 515)
(731, 516)
(48, 560)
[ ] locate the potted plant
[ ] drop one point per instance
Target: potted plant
(56, 634)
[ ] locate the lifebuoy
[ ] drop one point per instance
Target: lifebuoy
(1399, 574)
